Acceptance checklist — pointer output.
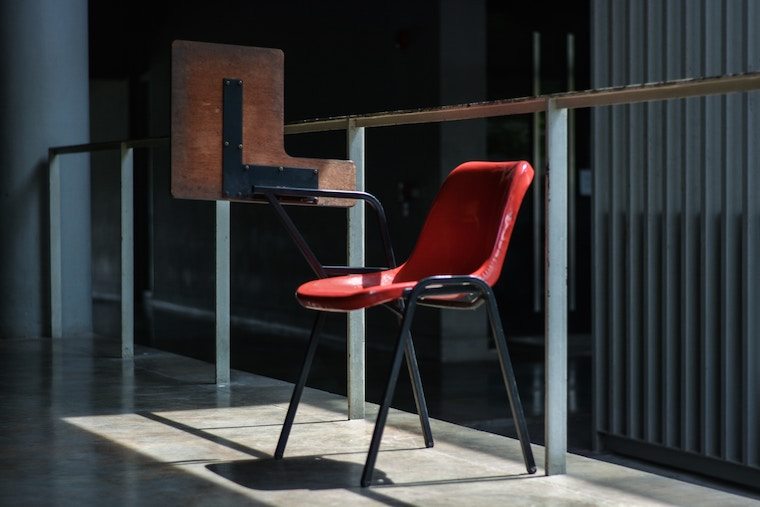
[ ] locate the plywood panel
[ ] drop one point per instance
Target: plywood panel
(198, 71)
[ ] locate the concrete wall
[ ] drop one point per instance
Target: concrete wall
(43, 103)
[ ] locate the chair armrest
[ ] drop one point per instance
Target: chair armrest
(341, 194)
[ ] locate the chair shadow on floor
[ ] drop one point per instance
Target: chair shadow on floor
(299, 472)
(320, 473)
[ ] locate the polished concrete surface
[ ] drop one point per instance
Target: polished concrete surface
(467, 393)
(80, 426)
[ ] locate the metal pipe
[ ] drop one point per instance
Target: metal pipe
(468, 111)
(356, 325)
(222, 303)
(556, 290)
(127, 253)
(629, 94)
(675, 89)
(149, 142)
(56, 287)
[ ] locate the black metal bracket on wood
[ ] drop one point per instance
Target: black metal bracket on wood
(278, 184)
(241, 180)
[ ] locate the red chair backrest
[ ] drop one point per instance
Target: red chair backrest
(468, 227)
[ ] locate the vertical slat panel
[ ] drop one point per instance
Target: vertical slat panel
(635, 74)
(710, 181)
(671, 189)
(652, 271)
(617, 225)
(677, 293)
(689, 239)
(751, 245)
(730, 262)
(600, 221)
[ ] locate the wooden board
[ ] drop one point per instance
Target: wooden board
(198, 71)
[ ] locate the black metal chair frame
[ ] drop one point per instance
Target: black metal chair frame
(404, 309)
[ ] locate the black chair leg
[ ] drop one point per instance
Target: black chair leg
(390, 387)
(508, 375)
(414, 376)
(298, 391)
(419, 393)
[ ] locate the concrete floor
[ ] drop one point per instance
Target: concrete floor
(80, 426)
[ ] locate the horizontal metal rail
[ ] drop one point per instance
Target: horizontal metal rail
(151, 142)
(666, 90)
(631, 94)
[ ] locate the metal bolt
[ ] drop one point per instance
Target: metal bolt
(226, 82)
(316, 172)
(246, 167)
(240, 83)
(240, 146)
(280, 169)
(226, 143)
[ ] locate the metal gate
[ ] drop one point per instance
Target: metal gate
(676, 224)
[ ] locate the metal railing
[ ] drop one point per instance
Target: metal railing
(556, 107)
(127, 232)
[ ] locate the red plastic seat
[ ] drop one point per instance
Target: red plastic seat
(457, 259)
(466, 233)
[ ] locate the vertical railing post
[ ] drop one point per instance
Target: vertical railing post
(56, 287)
(222, 300)
(356, 323)
(556, 290)
(127, 253)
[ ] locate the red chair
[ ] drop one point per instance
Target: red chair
(457, 259)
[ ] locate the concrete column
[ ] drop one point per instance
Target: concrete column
(43, 103)
(462, 55)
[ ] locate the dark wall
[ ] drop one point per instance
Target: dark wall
(339, 59)
(510, 74)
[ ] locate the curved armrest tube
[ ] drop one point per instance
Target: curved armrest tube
(342, 194)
